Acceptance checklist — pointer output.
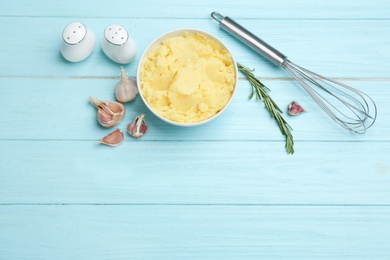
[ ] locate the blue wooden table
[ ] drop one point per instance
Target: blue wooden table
(223, 190)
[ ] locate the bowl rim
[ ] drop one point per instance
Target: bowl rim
(177, 32)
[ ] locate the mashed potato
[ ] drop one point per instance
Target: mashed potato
(188, 78)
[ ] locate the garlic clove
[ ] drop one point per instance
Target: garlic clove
(114, 138)
(295, 109)
(126, 89)
(109, 113)
(138, 127)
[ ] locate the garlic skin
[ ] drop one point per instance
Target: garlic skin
(138, 127)
(295, 109)
(114, 138)
(109, 113)
(126, 89)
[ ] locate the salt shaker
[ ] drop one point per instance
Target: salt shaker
(118, 45)
(78, 42)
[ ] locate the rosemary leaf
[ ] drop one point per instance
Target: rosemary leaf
(275, 112)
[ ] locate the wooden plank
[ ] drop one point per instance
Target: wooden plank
(226, 190)
(341, 48)
(278, 9)
(168, 172)
(193, 232)
(58, 109)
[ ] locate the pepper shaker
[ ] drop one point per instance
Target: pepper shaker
(78, 42)
(118, 45)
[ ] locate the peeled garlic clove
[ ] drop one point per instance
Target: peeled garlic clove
(138, 127)
(114, 138)
(126, 89)
(294, 108)
(109, 113)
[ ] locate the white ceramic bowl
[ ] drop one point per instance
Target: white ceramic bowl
(156, 42)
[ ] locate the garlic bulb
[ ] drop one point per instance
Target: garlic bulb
(294, 108)
(138, 127)
(114, 138)
(109, 112)
(126, 89)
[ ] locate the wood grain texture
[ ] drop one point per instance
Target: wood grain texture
(341, 48)
(246, 9)
(193, 232)
(58, 109)
(224, 190)
(194, 172)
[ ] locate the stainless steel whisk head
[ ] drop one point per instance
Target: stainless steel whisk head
(348, 107)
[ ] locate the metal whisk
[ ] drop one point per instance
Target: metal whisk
(348, 107)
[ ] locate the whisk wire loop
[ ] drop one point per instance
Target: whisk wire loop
(332, 96)
(350, 108)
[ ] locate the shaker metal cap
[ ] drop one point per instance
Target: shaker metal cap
(74, 33)
(116, 34)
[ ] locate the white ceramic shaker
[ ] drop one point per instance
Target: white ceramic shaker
(118, 45)
(78, 42)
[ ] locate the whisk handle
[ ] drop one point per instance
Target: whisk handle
(249, 38)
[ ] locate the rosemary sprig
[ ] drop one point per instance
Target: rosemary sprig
(261, 92)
